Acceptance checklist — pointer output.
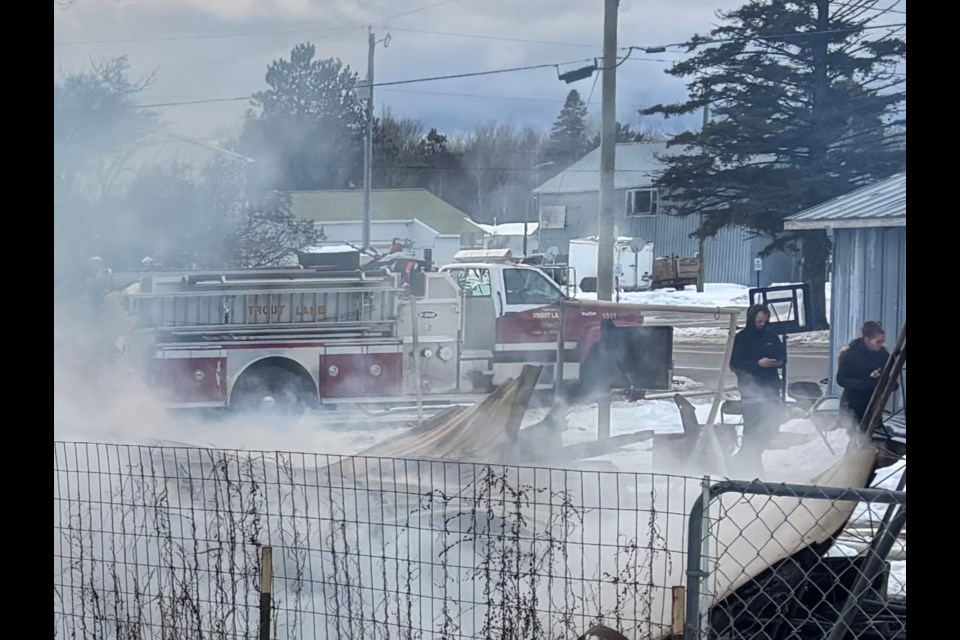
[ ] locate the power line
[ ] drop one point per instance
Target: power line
(480, 73)
(803, 34)
(483, 96)
(498, 38)
(653, 60)
(188, 102)
(380, 84)
(205, 36)
(865, 8)
(436, 93)
(555, 65)
(242, 34)
(413, 11)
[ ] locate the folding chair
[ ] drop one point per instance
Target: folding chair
(733, 408)
(726, 434)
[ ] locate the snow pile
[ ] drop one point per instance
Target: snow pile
(683, 383)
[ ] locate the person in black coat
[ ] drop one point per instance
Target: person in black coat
(757, 355)
(859, 368)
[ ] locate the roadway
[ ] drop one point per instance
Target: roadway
(701, 362)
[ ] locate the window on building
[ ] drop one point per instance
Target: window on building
(475, 283)
(471, 240)
(527, 286)
(642, 202)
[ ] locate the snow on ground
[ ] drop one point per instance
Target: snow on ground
(718, 335)
(314, 433)
(683, 383)
(897, 585)
(714, 295)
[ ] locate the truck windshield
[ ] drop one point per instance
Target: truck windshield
(527, 286)
(475, 283)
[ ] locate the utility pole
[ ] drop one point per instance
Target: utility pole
(368, 142)
(608, 155)
(702, 265)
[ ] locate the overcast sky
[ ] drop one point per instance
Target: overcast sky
(207, 49)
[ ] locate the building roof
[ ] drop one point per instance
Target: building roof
(881, 204)
(346, 205)
(510, 228)
(637, 165)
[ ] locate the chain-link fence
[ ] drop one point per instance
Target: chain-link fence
(777, 561)
(167, 543)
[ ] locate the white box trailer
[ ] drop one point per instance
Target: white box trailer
(632, 263)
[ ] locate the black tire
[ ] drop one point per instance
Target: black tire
(269, 390)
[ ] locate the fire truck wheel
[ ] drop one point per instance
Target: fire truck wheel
(269, 389)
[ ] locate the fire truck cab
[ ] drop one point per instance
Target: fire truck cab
(514, 314)
(290, 339)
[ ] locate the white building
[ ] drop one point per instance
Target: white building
(414, 216)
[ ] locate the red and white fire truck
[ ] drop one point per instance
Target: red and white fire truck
(290, 339)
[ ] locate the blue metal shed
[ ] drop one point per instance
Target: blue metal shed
(869, 280)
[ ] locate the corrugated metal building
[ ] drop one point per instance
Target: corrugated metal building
(569, 203)
(869, 280)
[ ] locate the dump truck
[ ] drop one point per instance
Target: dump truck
(674, 271)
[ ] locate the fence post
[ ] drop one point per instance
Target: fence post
(707, 495)
(698, 528)
(679, 613)
(266, 590)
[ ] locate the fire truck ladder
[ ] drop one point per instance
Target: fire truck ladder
(267, 304)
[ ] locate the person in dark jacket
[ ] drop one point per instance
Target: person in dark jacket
(757, 355)
(859, 367)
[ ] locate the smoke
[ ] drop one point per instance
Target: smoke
(101, 395)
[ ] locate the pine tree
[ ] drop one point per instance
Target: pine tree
(806, 105)
(624, 133)
(306, 130)
(568, 140)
